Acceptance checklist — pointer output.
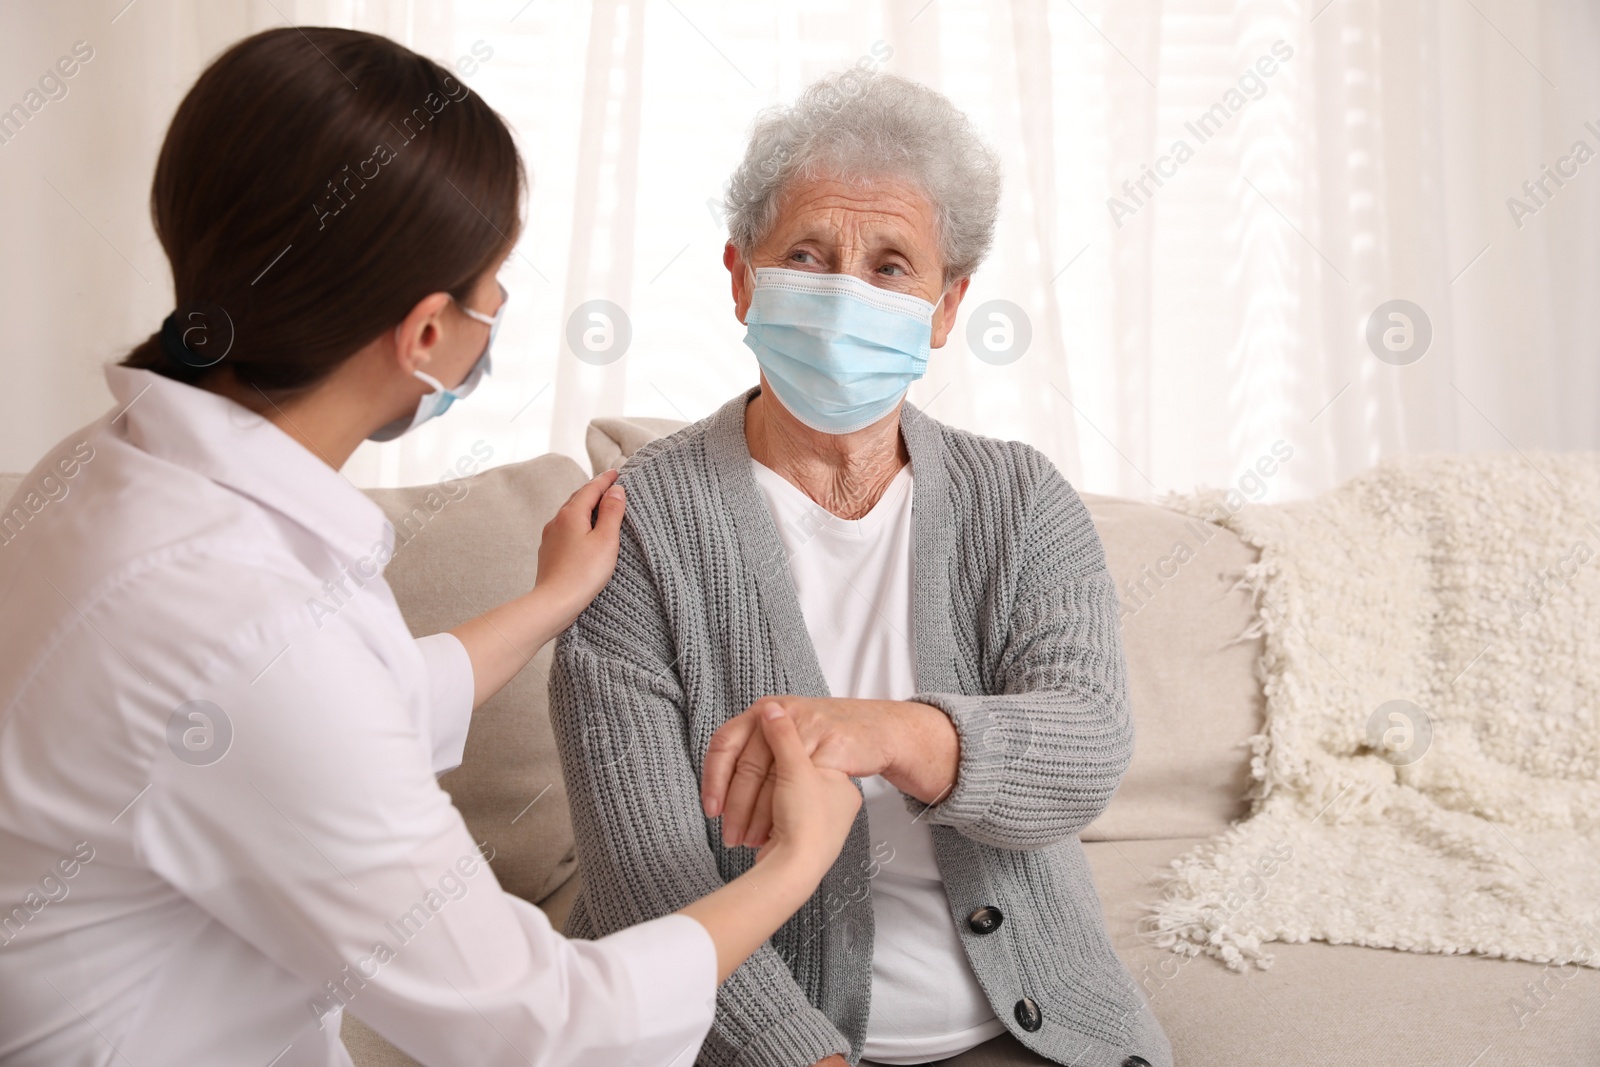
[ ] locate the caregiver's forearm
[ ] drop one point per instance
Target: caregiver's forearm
(502, 640)
(745, 913)
(617, 715)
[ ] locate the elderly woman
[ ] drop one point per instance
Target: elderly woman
(931, 607)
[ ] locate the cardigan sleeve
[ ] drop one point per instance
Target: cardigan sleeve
(1043, 750)
(618, 709)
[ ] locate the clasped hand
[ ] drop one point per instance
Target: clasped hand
(912, 745)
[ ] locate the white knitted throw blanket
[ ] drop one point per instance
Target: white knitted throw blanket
(1428, 777)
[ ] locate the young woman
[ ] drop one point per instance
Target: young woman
(219, 819)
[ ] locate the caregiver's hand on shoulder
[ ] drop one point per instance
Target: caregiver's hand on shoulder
(578, 549)
(912, 745)
(577, 553)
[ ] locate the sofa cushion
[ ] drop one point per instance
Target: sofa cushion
(1341, 1005)
(1196, 700)
(1191, 676)
(612, 440)
(460, 548)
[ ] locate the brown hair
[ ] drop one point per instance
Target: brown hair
(314, 185)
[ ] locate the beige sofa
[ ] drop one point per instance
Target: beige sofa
(1196, 700)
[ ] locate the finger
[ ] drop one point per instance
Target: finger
(587, 498)
(749, 775)
(721, 755)
(760, 828)
(608, 520)
(789, 756)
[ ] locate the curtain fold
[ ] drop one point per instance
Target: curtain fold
(600, 249)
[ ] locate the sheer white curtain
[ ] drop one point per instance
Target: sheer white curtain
(1335, 155)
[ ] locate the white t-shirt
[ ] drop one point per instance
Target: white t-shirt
(854, 581)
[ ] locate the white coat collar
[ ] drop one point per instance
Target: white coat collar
(232, 446)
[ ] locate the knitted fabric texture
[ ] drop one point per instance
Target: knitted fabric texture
(1428, 777)
(1016, 639)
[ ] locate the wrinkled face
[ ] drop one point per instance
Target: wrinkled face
(883, 232)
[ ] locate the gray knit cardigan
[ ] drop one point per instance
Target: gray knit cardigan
(1017, 639)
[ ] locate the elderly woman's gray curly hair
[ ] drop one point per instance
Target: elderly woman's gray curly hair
(857, 126)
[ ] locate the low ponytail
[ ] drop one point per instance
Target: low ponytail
(147, 355)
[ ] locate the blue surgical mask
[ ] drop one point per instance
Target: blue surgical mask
(438, 400)
(838, 353)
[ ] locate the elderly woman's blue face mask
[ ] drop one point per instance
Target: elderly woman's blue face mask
(838, 353)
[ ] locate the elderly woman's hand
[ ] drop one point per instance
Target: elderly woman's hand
(912, 745)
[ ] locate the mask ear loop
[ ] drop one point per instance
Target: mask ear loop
(750, 274)
(427, 379)
(491, 321)
(937, 304)
(750, 279)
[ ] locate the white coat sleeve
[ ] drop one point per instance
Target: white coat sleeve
(450, 694)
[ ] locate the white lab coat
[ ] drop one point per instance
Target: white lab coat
(180, 886)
